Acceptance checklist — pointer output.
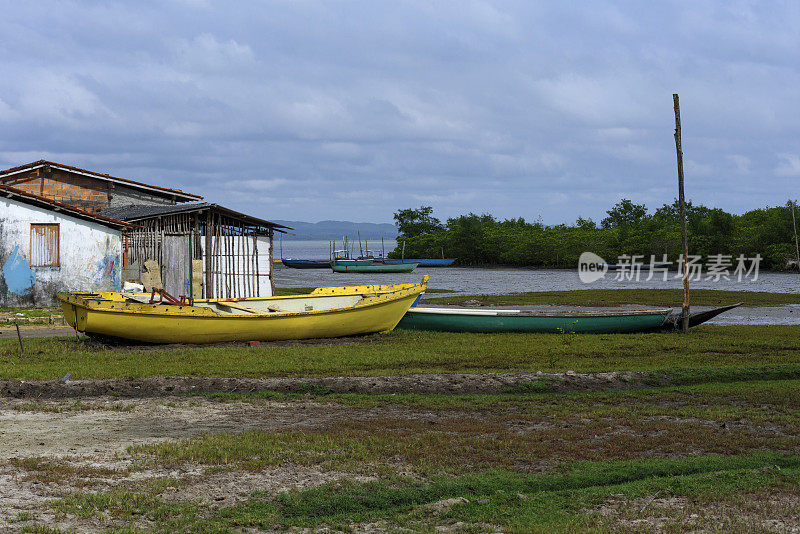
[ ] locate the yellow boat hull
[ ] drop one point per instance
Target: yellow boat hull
(109, 314)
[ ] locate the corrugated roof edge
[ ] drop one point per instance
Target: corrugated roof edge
(138, 213)
(132, 183)
(30, 198)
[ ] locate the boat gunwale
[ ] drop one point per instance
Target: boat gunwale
(532, 313)
(173, 310)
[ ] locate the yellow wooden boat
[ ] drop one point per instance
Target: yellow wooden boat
(325, 312)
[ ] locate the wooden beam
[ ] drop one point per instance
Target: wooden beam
(208, 254)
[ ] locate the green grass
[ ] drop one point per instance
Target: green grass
(618, 297)
(403, 352)
(518, 500)
(30, 311)
(562, 500)
(519, 432)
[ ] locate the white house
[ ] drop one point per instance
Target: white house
(47, 246)
(63, 228)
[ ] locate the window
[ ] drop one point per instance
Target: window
(44, 245)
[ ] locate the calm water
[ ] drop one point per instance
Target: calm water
(467, 280)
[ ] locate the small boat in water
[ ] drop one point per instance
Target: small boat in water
(347, 266)
(432, 262)
(593, 322)
(358, 262)
(306, 264)
(159, 318)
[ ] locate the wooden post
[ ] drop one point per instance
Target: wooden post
(796, 248)
(209, 264)
(682, 206)
(19, 336)
(270, 260)
(403, 253)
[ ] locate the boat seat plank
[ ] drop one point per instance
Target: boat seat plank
(237, 306)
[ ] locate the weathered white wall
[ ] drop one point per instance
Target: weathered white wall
(90, 256)
(264, 267)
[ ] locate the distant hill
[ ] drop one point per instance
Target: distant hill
(331, 230)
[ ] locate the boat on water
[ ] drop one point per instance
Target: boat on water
(594, 322)
(306, 264)
(325, 312)
(431, 262)
(347, 266)
(357, 262)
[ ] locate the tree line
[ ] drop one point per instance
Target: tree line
(627, 229)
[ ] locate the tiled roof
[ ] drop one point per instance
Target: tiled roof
(176, 194)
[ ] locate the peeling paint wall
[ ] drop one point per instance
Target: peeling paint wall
(89, 256)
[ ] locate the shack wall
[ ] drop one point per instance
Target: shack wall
(89, 256)
(223, 265)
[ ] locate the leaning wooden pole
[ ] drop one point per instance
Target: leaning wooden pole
(796, 248)
(682, 206)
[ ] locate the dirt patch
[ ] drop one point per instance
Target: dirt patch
(767, 511)
(99, 342)
(9, 331)
(456, 383)
(70, 450)
(105, 433)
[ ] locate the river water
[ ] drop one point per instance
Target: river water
(474, 281)
(477, 281)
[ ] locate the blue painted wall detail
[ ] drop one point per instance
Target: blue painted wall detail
(18, 275)
(108, 268)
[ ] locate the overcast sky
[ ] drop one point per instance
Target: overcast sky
(311, 110)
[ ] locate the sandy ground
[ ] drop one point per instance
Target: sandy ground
(96, 436)
(109, 425)
(8, 331)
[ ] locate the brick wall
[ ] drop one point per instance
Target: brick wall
(73, 189)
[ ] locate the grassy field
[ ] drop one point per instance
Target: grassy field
(711, 445)
(617, 297)
(403, 352)
(664, 459)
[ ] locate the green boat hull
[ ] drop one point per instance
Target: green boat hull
(365, 261)
(373, 268)
(486, 322)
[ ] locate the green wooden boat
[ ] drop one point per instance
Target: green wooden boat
(347, 261)
(595, 322)
(339, 267)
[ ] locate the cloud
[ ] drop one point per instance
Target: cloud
(790, 166)
(257, 185)
(516, 108)
(206, 52)
(59, 98)
(742, 163)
